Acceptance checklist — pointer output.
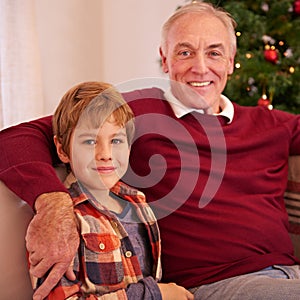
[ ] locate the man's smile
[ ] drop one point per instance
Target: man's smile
(199, 83)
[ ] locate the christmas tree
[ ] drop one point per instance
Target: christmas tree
(268, 57)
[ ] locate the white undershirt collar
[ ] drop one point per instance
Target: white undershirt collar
(181, 110)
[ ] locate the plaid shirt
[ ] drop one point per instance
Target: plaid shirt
(106, 262)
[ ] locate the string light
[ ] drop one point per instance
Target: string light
(292, 70)
(268, 47)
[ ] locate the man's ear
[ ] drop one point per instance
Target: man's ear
(61, 154)
(163, 61)
(231, 64)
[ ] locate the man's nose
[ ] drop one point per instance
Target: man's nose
(199, 64)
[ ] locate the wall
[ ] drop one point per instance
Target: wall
(115, 41)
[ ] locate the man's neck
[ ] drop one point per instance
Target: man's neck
(225, 107)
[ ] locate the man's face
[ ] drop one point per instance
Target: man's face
(198, 54)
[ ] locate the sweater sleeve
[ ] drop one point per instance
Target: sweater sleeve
(27, 157)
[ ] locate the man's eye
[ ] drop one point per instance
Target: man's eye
(215, 53)
(185, 53)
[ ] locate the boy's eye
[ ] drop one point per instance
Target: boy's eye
(89, 142)
(116, 141)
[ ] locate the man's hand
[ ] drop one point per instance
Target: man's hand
(172, 291)
(52, 240)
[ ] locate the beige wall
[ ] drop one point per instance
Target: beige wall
(112, 41)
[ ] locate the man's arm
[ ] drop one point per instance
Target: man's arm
(27, 156)
(26, 167)
(52, 240)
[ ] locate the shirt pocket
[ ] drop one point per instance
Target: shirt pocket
(102, 258)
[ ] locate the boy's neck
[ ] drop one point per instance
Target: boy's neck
(112, 204)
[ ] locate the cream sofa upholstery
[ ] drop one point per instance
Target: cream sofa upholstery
(15, 215)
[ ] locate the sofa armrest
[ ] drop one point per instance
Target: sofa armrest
(15, 216)
(292, 201)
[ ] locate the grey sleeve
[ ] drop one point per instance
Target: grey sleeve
(145, 289)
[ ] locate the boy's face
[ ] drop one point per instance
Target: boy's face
(99, 157)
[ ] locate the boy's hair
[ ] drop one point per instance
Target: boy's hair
(92, 103)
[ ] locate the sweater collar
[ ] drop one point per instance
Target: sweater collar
(180, 110)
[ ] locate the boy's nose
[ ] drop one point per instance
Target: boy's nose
(103, 153)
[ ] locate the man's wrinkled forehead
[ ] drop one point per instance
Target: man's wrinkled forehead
(188, 28)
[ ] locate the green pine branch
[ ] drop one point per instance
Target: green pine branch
(280, 81)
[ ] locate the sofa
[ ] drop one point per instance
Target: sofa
(15, 215)
(292, 201)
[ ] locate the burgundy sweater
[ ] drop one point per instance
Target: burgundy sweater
(216, 188)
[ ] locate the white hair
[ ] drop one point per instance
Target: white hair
(201, 7)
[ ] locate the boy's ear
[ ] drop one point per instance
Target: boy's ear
(61, 154)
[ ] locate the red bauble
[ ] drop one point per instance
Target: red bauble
(297, 7)
(263, 101)
(271, 55)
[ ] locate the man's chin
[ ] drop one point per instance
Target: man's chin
(192, 95)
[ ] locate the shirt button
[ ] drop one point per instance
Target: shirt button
(101, 246)
(128, 254)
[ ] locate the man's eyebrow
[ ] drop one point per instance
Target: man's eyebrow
(184, 44)
(188, 45)
(217, 45)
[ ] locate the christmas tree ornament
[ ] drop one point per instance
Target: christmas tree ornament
(271, 54)
(264, 101)
(288, 53)
(268, 40)
(297, 7)
(265, 7)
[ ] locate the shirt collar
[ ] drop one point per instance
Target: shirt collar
(181, 110)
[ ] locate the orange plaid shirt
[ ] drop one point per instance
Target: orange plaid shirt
(106, 263)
